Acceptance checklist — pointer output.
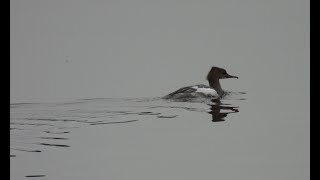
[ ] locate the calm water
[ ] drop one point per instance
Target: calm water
(151, 138)
(86, 57)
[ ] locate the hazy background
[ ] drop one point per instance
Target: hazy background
(69, 49)
(74, 49)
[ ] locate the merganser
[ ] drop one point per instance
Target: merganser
(212, 91)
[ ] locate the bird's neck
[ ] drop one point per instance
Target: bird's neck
(215, 84)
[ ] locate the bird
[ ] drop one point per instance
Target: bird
(214, 89)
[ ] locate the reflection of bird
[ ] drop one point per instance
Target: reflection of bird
(216, 108)
(214, 90)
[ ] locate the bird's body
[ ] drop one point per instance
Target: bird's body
(200, 90)
(204, 91)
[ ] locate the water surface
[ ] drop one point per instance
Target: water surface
(151, 138)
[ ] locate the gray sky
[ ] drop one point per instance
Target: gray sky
(69, 49)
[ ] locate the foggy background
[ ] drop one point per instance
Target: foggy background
(63, 50)
(71, 49)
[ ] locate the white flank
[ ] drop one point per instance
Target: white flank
(207, 91)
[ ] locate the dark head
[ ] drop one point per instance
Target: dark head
(217, 73)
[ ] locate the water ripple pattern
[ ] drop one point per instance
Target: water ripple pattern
(37, 126)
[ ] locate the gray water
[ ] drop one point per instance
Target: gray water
(152, 138)
(87, 77)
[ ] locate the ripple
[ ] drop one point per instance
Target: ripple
(35, 121)
(167, 116)
(56, 145)
(37, 127)
(36, 175)
(114, 122)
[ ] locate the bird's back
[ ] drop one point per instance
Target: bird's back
(201, 91)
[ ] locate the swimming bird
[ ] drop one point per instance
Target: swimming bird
(201, 90)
